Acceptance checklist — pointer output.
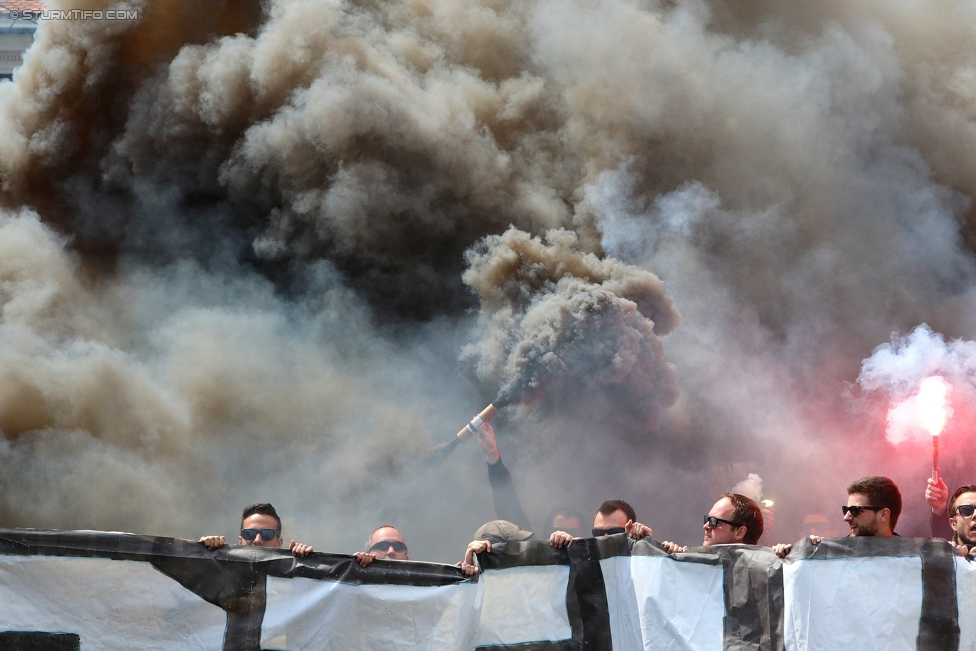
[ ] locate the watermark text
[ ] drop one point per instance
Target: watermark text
(75, 14)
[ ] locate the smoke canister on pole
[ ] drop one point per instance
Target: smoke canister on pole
(471, 428)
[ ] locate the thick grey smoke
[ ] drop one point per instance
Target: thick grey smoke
(235, 238)
(556, 319)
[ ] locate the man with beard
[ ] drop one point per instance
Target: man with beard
(385, 542)
(734, 519)
(873, 507)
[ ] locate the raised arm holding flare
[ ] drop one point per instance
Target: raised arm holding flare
(937, 496)
(507, 504)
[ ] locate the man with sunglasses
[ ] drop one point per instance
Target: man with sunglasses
(962, 519)
(260, 527)
(734, 519)
(613, 517)
(817, 524)
(873, 507)
(387, 543)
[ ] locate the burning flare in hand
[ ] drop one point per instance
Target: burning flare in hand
(931, 403)
(932, 410)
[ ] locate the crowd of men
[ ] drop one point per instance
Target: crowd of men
(873, 507)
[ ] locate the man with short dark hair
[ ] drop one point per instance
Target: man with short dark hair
(962, 519)
(873, 507)
(260, 527)
(564, 519)
(734, 519)
(385, 542)
(614, 516)
(817, 524)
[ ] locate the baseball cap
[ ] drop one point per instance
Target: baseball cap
(500, 531)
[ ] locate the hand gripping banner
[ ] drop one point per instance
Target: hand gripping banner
(94, 591)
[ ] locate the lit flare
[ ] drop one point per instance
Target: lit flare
(931, 403)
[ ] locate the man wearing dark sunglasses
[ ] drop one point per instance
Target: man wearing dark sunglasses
(260, 527)
(387, 543)
(734, 519)
(817, 524)
(962, 512)
(613, 517)
(872, 509)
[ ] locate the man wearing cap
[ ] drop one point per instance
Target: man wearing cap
(734, 519)
(613, 516)
(260, 527)
(385, 542)
(496, 531)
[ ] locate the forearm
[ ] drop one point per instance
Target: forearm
(507, 504)
(939, 526)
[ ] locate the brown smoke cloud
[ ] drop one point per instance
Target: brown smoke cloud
(244, 277)
(556, 319)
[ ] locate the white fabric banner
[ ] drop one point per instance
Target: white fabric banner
(318, 615)
(95, 591)
(109, 605)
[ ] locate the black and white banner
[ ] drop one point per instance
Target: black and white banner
(93, 591)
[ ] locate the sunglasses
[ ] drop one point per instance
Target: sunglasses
(814, 527)
(266, 534)
(384, 545)
(608, 531)
(966, 510)
(856, 510)
(712, 522)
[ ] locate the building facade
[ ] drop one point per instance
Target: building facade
(17, 27)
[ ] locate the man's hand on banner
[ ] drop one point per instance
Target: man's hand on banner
(560, 539)
(782, 549)
(213, 542)
(470, 563)
(364, 558)
(636, 530)
(673, 548)
(300, 550)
